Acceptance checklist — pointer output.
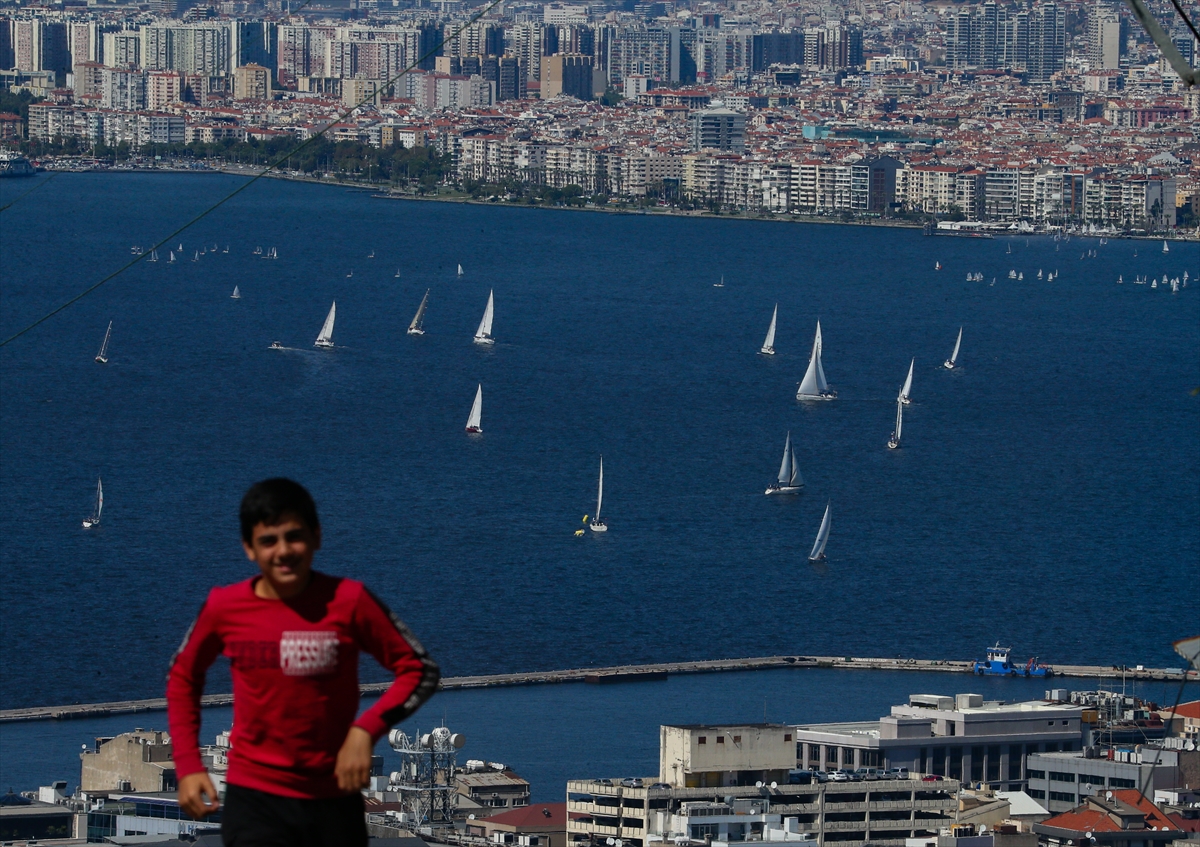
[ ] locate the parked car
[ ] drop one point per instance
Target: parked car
(800, 777)
(631, 782)
(602, 781)
(839, 776)
(659, 785)
(867, 774)
(821, 776)
(932, 777)
(898, 773)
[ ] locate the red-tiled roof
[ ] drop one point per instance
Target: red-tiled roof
(538, 815)
(1187, 710)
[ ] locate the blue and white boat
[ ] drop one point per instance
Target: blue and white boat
(999, 664)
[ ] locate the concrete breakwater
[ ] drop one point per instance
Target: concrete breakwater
(622, 673)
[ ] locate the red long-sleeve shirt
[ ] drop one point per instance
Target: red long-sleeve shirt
(295, 681)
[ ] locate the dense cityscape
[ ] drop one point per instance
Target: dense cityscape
(1047, 114)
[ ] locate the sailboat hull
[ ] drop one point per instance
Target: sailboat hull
(103, 360)
(474, 430)
(323, 345)
(893, 444)
(907, 401)
(816, 559)
(484, 339)
(416, 331)
(948, 365)
(89, 524)
(598, 526)
(767, 351)
(828, 395)
(784, 489)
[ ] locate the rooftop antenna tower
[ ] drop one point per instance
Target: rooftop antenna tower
(426, 779)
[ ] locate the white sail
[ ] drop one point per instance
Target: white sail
(475, 419)
(1166, 249)
(99, 498)
(787, 467)
(768, 346)
(460, 273)
(906, 390)
(953, 360)
(325, 339)
(415, 328)
(818, 550)
(102, 356)
(814, 384)
(483, 335)
(236, 295)
(600, 491)
(899, 422)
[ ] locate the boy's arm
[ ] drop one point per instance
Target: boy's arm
(185, 683)
(382, 634)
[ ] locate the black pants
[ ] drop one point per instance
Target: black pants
(252, 818)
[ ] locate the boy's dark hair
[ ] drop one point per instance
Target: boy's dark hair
(270, 501)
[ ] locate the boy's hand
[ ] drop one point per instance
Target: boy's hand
(197, 796)
(353, 769)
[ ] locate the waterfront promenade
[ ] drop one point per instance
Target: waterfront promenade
(627, 673)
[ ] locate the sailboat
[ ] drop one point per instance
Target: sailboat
(196, 258)
(483, 335)
(596, 524)
(460, 273)
(818, 550)
(790, 481)
(937, 266)
(814, 385)
(179, 249)
(415, 327)
(257, 251)
(153, 256)
(102, 356)
(397, 273)
(236, 295)
(1166, 249)
(768, 347)
(172, 257)
(894, 441)
(720, 284)
(226, 250)
(476, 416)
(1009, 250)
(94, 520)
(371, 255)
(325, 339)
(952, 362)
(906, 389)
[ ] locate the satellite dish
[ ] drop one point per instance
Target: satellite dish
(758, 785)
(610, 841)
(471, 817)
(618, 843)
(1108, 794)
(982, 828)
(426, 739)
(458, 740)
(774, 785)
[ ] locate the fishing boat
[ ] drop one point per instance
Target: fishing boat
(460, 272)
(768, 347)
(952, 362)
(415, 328)
(906, 389)
(894, 441)
(325, 339)
(474, 420)
(236, 295)
(999, 664)
(94, 520)
(153, 256)
(814, 386)
(790, 481)
(818, 550)
(483, 335)
(597, 524)
(102, 356)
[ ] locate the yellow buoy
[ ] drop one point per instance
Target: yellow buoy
(578, 532)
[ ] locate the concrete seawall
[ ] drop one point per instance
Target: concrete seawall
(621, 673)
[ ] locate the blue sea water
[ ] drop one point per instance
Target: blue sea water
(1047, 494)
(551, 733)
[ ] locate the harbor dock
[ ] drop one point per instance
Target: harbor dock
(625, 673)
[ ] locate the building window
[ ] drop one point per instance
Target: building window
(787, 736)
(720, 739)
(1036, 793)
(1062, 797)
(703, 740)
(1091, 779)
(1116, 782)
(1066, 723)
(1030, 773)
(1059, 776)
(737, 739)
(1049, 723)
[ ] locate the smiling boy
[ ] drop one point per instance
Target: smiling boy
(298, 757)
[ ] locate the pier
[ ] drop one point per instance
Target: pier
(626, 673)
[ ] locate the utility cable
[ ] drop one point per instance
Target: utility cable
(30, 191)
(1186, 19)
(269, 167)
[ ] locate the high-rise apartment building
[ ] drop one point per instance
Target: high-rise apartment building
(122, 49)
(1104, 42)
(567, 73)
(1047, 41)
(717, 128)
(665, 54)
(252, 82)
(191, 48)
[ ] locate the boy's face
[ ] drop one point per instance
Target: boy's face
(284, 554)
